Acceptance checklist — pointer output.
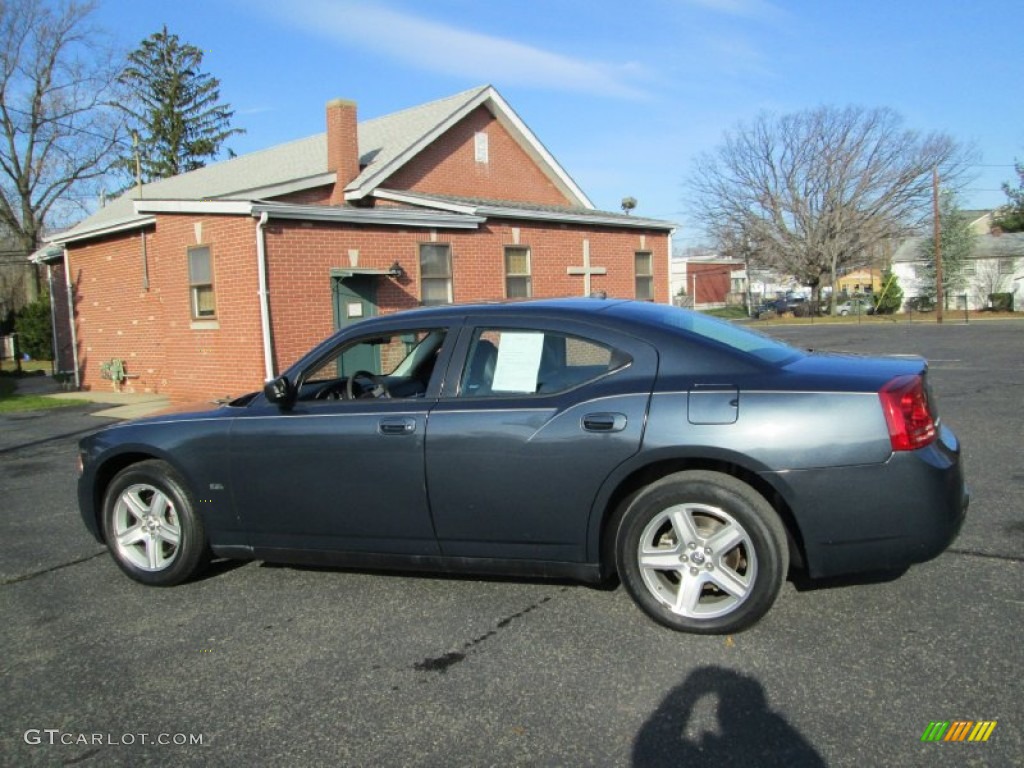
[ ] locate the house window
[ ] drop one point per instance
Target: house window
(517, 273)
(968, 269)
(435, 274)
(480, 147)
(200, 280)
(1006, 266)
(644, 271)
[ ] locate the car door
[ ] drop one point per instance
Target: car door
(531, 424)
(337, 474)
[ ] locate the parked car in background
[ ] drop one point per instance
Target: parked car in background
(583, 438)
(856, 306)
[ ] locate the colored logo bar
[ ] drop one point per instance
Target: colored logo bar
(959, 730)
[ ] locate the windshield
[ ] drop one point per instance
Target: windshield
(728, 334)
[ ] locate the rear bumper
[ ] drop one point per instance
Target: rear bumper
(884, 517)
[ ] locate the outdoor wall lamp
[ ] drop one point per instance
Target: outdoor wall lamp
(396, 271)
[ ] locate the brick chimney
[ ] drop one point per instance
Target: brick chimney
(342, 145)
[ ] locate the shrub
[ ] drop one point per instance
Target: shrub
(1001, 302)
(35, 330)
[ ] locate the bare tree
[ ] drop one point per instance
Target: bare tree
(820, 190)
(59, 132)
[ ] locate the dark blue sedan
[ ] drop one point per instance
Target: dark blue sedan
(581, 438)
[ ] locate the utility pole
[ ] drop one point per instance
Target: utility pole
(939, 298)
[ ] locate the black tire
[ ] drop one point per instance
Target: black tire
(151, 526)
(683, 582)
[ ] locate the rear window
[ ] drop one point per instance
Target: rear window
(731, 335)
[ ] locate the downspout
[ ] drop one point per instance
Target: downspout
(53, 321)
(671, 296)
(261, 266)
(71, 317)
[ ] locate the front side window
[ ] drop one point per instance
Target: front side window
(200, 279)
(392, 365)
(644, 271)
(1006, 266)
(435, 274)
(517, 273)
(510, 362)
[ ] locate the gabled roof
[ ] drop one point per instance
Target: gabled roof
(386, 144)
(1009, 245)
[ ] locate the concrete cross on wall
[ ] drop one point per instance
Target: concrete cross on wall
(586, 270)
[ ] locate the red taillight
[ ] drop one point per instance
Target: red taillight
(907, 413)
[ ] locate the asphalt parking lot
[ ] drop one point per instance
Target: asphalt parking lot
(269, 665)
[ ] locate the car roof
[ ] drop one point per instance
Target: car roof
(575, 306)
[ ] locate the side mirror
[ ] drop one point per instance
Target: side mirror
(280, 391)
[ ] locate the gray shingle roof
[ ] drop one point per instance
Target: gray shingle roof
(1008, 245)
(385, 144)
(382, 141)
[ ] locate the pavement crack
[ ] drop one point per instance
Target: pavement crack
(442, 663)
(51, 569)
(987, 555)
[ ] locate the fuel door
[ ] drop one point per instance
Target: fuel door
(713, 404)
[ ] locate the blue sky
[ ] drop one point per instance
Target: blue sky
(623, 94)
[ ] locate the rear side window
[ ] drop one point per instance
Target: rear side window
(509, 362)
(730, 335)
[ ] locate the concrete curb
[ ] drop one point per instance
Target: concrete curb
(125, 405)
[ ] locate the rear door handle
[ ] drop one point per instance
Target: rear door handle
(604, 422)
(401, 426)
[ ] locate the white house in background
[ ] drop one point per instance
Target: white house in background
(996, 266)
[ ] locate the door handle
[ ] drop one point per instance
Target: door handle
(404, 426)
(604, 422)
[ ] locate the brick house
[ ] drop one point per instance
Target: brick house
(208, 283)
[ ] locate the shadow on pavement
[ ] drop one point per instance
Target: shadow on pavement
(747, 733)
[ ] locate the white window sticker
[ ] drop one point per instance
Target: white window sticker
(354, 309)
(518, 362)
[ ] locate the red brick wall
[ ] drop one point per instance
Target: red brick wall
(167, 352)
(449, 167)
(301, 256)
(114, 316)
(315, 196)
(153, 331)
(204, 363)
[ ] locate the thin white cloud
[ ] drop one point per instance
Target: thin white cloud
(440, 47)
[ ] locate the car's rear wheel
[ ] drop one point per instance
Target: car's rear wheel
(702, 552)
(151, 526)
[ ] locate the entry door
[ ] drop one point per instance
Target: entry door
(355, 299)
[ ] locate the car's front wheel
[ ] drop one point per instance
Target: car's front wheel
(702, 552)
(151, 526)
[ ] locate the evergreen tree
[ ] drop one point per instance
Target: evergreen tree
(1011, 216)
(175, 108)
(890, 298)
(957, 240)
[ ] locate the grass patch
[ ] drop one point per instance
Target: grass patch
(727, 313)
(21, 403)
(7, 365)
(11, 402)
